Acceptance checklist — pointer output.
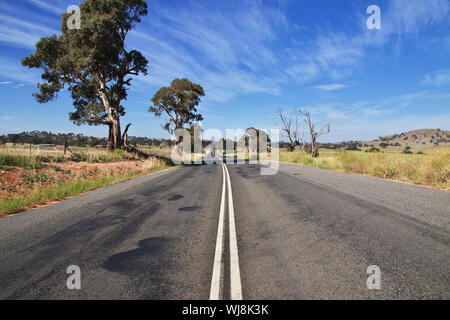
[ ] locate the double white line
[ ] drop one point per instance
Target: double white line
(235, 275)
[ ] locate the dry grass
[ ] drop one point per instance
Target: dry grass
(44, 175)
(431, 169)
(36, 154)
(164, 152)
(53, 191)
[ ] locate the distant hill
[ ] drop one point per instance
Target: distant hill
(415, 138)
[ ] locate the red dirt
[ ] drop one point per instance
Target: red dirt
(17, 181)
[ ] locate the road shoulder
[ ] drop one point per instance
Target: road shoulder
(426, 205)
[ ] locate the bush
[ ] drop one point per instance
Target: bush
(373, 149)
(78, 158)
(58, 159)
(352, 147)
(407, 150)
(307, 161)
(347, 160)
(323, 164)
(118, 153)
(22, 162)
(439, 169)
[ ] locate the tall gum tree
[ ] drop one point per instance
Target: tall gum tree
(179, 103)
(92, 63)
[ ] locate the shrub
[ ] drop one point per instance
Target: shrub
(353, 147)
(118, 153)
(323, 164)
(78, 158)
(439, 169)
(373, 149)
(407, 150)
(347, 160)
(308, 161)
(407, 169)
(21, 161)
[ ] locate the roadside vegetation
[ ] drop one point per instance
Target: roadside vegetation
(415, 157)
(29, 179)
(428, 168)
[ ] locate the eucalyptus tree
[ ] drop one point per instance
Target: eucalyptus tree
(179, 103)
(92, 62)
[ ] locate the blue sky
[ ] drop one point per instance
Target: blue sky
(254, 56)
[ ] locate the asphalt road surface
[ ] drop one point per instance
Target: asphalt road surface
(189, 233)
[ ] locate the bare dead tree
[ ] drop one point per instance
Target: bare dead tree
(290, 129)
(125, 136)
(314, 132)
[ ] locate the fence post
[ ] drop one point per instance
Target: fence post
(65, 147)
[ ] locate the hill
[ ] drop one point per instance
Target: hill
(415, 138)
(419, 140)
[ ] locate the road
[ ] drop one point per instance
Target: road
(187, 233)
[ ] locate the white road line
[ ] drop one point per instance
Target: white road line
(217, 270)
(235, 274)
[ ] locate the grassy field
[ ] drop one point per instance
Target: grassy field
(429, 169)
(37, 176)
(56, 154)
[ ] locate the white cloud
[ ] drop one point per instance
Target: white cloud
(370, 109)
(13, 70)
(6, 118)
(6, 82)
(49, 7)
(437, 78)
(331, 87)
(228, 52)
(336, 55)
(409, 16)
(22, 33)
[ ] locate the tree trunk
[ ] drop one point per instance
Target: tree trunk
(125, 136)
(112, 107)
(314, 152)
(115, 137)
(110, 139)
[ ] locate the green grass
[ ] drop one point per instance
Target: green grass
(6, 168)
(22, 161)
(61, 191)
